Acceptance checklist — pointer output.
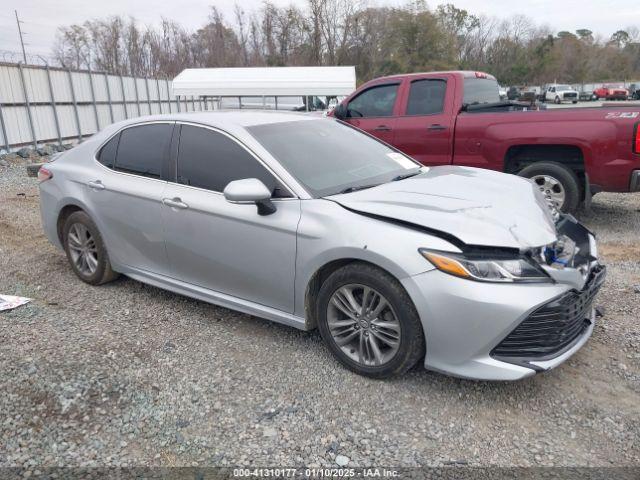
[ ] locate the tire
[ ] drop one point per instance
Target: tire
(557, 101)
(564, 176)
(411, 345)
(574, 102)
(80, 232)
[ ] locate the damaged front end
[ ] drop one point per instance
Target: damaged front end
(572, 257)
(559, 327)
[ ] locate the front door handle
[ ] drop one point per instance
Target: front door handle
(96, 185)
(174, 203)
(382, 128)
(436, 127)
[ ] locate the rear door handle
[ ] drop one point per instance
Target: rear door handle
(436, 127)
(382, 128)
(96, 185)
(174, 203)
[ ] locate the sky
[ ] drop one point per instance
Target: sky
(41, 18)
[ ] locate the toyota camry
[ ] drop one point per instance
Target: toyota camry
(310, 222)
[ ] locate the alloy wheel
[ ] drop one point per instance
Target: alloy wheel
(363, 325)
(83, 249)
(551, 188)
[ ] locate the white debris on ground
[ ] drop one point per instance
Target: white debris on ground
(9, 302)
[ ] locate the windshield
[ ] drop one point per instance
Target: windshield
(562, 88)
(329, 157)
(480, 90)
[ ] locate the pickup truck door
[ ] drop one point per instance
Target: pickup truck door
(373, 110)
(424, 128)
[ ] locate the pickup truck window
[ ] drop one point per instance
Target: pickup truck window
(426, 97)
(374, 102)
(480, 90)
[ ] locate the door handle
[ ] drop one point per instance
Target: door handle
(436, 127)
(174, 203)
(96, 185)
(382, 128)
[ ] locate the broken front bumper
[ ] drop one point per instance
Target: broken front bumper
(508, 331)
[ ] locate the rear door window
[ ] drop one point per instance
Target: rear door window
(143, 149)
(426, 97)
(211, 160)
(107, 154)
(374, 102)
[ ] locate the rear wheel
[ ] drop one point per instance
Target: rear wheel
(85, 250)
(368, 321)
(559, 184)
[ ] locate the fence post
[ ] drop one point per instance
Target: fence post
(4, 130)
(166, 82)
(135, 87)
(159, 96)
(169, 95)
(193, 103)
(26, 101)
(146, 85)
(53, 105)
(93, 97)
(75, 105)
(124, 98)
(106, 81)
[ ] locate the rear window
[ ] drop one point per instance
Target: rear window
(107, 154)
(480, 90)
(142, 149)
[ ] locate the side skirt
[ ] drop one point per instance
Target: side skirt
(216, 298)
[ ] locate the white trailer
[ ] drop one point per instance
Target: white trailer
(291, 88)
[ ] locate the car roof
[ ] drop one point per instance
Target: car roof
(226, 119)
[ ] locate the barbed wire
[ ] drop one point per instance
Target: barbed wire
(10, 56)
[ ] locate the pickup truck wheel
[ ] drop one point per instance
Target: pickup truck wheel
(558, 183)
(557, 100)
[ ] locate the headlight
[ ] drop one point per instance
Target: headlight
(487, 269)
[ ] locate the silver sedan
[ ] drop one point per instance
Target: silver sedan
(309, 222)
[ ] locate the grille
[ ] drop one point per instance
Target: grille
(570, 95)
(553, 328)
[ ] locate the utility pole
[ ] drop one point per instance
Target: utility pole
(24, 54)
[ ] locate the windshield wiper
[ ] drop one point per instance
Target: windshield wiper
(355, 189)
(406, 175)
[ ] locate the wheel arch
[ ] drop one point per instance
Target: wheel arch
(520, 156)
(63, 214)
(320, 275)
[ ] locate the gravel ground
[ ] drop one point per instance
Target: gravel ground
(130, 375)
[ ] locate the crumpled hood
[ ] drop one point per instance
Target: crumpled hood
(479, 207)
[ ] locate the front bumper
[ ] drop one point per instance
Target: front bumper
(464, 321)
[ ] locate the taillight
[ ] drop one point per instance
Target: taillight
(44, 175)
(636, 138)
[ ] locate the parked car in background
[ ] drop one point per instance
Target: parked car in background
(502, 93)
(309, 222)
(587, 96)
(513, 93)
(611, 92)
(634, 91)
(558, 93)
(444, 118)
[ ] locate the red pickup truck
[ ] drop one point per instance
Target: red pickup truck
(445, 118)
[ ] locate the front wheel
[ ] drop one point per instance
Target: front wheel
(557, 101)
(559, 184)
(368, 321)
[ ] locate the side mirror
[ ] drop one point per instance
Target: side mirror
(250, 190)
(340, 112)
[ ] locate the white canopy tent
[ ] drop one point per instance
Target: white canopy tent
(265, 82)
